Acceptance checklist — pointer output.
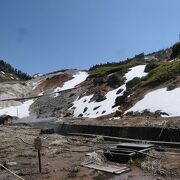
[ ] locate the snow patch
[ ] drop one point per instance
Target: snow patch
(161, 99)
(137, 71)
(37, 75)
(40, 94)
(19, 111)
(77, 79)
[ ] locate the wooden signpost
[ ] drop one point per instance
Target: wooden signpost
(38, 145)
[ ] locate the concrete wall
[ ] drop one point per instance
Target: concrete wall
(142, 133)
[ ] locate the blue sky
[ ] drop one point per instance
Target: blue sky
(47, 35)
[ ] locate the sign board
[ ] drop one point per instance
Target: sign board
(37, 143)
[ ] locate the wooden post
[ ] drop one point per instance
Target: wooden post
(38, 145)
(39, 158)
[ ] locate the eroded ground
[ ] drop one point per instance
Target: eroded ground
(62, 158)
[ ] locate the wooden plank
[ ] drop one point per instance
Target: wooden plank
(106, 168)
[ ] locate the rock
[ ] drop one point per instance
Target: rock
(114, 80)
(119, 91)
(171, 87)
(96, 108)
(72, 94)
(130, 84)
(98, 139)
(69, 112)
(118, 113)
(130, 113)
(12, 163)
(58, 142)
(19, 173)
(100, 98)
(56, 105)
(47, 131)
(95, 157)
(80, 115)
(85, 109)
(164, 114)
(99, 80)
(136, 113)
(72, 172)
(130, 176)
(157, 113)
(103, 112)
(54, 151)
(150, 66)
(146, 112)
(120, 100)
(74, 169)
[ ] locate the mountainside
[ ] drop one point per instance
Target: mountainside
(145, 85)
(8, 73)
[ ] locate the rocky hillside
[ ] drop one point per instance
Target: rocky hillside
(143, 85)
(8, 73)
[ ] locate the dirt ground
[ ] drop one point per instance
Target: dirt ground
(62, 157)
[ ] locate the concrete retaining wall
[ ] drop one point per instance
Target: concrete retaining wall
(142, 133)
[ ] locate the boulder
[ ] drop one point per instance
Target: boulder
(47, 131)
(119, 91)
(69, 112)
(130, 84)
(151, 66)
(99, 80)
(171, 87)
(120, 100)
(115, 80)
(164, 114)
(118, 113)
(130, 113)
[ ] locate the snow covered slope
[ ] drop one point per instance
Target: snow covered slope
(94, 109)
(161, 99)
(77, 79)
(18, 111)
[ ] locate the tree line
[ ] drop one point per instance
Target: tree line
(111, 64)
(7, 68)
